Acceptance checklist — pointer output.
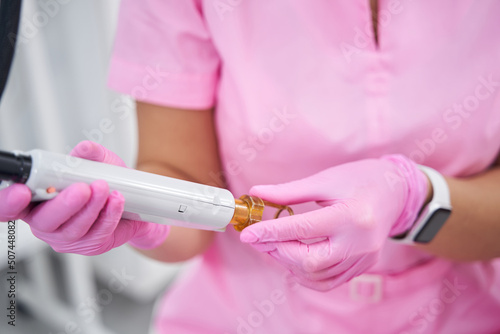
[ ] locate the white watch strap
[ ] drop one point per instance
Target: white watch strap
(441, 192)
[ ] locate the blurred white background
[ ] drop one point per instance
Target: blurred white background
(56, 96)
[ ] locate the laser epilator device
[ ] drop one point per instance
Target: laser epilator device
(148, 197)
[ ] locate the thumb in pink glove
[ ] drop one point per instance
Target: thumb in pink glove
(83, 219)
(365, 202)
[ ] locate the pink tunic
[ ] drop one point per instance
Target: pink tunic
(300, 86)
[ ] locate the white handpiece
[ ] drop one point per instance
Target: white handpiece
(148, 196)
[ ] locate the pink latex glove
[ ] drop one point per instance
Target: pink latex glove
(82, 219)
(365, 202)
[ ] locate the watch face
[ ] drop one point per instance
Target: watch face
(433, 225)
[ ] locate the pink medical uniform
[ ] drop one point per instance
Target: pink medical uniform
(300, 86)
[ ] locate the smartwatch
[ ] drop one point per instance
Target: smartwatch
(434, 214)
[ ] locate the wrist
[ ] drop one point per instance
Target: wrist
(417, 189)
(433, 214)
(150, 236)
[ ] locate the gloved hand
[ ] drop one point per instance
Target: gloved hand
(82, 219)
(365, 202)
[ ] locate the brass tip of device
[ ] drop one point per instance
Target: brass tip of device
(249, 210)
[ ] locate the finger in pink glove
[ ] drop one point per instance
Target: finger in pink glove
(14, 202)
(364, 203)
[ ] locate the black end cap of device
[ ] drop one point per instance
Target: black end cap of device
(14, 167)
